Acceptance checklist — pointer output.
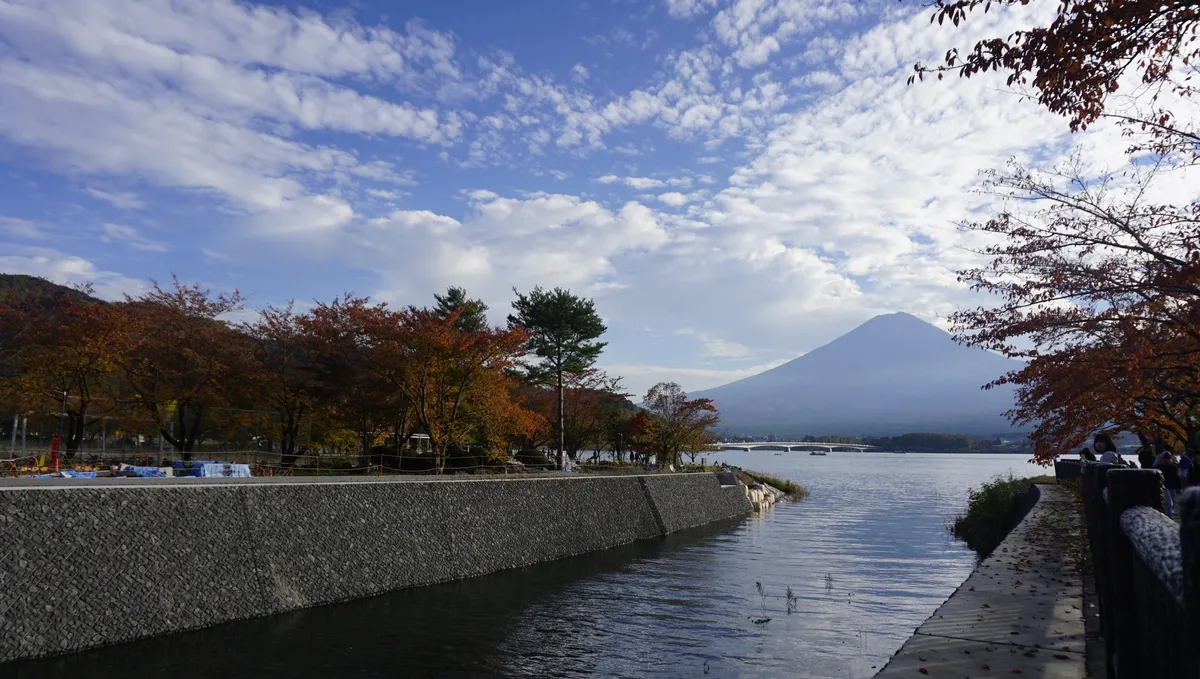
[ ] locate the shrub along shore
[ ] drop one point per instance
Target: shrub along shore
(993, 510)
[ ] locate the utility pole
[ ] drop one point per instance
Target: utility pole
(62, 417)
(562, 424)
(12, 446)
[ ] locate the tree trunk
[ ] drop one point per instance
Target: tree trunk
(290, 426)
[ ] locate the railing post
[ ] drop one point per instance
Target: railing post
(1189, 543)
(1126, 488)
(1067, 469)
(1095, 514)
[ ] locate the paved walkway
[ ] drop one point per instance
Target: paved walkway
(1020, 612)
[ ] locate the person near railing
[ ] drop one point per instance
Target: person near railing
(1146, 451)
(1162, 450)
(1165, 463)
(1185, 468)
(1104, 445)
(1087, 455)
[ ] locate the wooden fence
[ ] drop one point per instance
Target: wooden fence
(1147, 570)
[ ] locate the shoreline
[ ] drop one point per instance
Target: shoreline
(1019, 612)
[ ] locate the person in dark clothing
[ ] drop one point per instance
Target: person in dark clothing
(1145, 452)
(1086, 455)
(1162, 449)
(1171, 483)
(1185, 468)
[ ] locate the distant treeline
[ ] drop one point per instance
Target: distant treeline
(917, 442)
(945, 443)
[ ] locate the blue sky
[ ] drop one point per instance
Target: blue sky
(734, 181)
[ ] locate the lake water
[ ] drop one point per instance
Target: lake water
(867, 557)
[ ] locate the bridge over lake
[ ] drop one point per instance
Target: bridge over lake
(789, 446)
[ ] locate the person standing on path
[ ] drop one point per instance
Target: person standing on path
(1185, 467)
(1146, 452)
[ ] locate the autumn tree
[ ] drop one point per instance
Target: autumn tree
(1076, 65)
(633, 433)
(564, 330)
(66, 353)
(1096, 285)
(347, 358)
(1097, 280)
(677, 424)
(283, 371)
(590, 400)
(457, 380)
(181, 368)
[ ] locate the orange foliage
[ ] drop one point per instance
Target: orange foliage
(457, 380)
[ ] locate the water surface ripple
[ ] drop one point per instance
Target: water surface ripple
(867, 557)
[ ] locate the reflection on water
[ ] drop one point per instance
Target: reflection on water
(867, 555)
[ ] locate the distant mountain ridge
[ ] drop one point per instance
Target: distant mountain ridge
(891, 375)
(20, 288)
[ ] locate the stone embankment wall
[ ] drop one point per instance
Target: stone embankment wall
(86, 565)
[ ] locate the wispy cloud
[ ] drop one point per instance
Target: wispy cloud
(21, 228)
(716, 346)
(123, 200)
(127, 234)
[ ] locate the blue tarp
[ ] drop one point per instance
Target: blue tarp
(145, 472)
(77, 475)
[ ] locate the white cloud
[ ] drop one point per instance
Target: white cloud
(640, 377)
(716, 346)
(580, 73)
(21, 228)
(545, 239)
(686, 9)
(756, 29)
(200, 95)
(643, 183)
(673, 198)
(120, 200)
(66, 269)
(130, 236)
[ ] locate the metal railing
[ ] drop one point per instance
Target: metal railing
(1147, 571)
(1068, 469)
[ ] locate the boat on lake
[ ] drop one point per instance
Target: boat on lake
(818, 452)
